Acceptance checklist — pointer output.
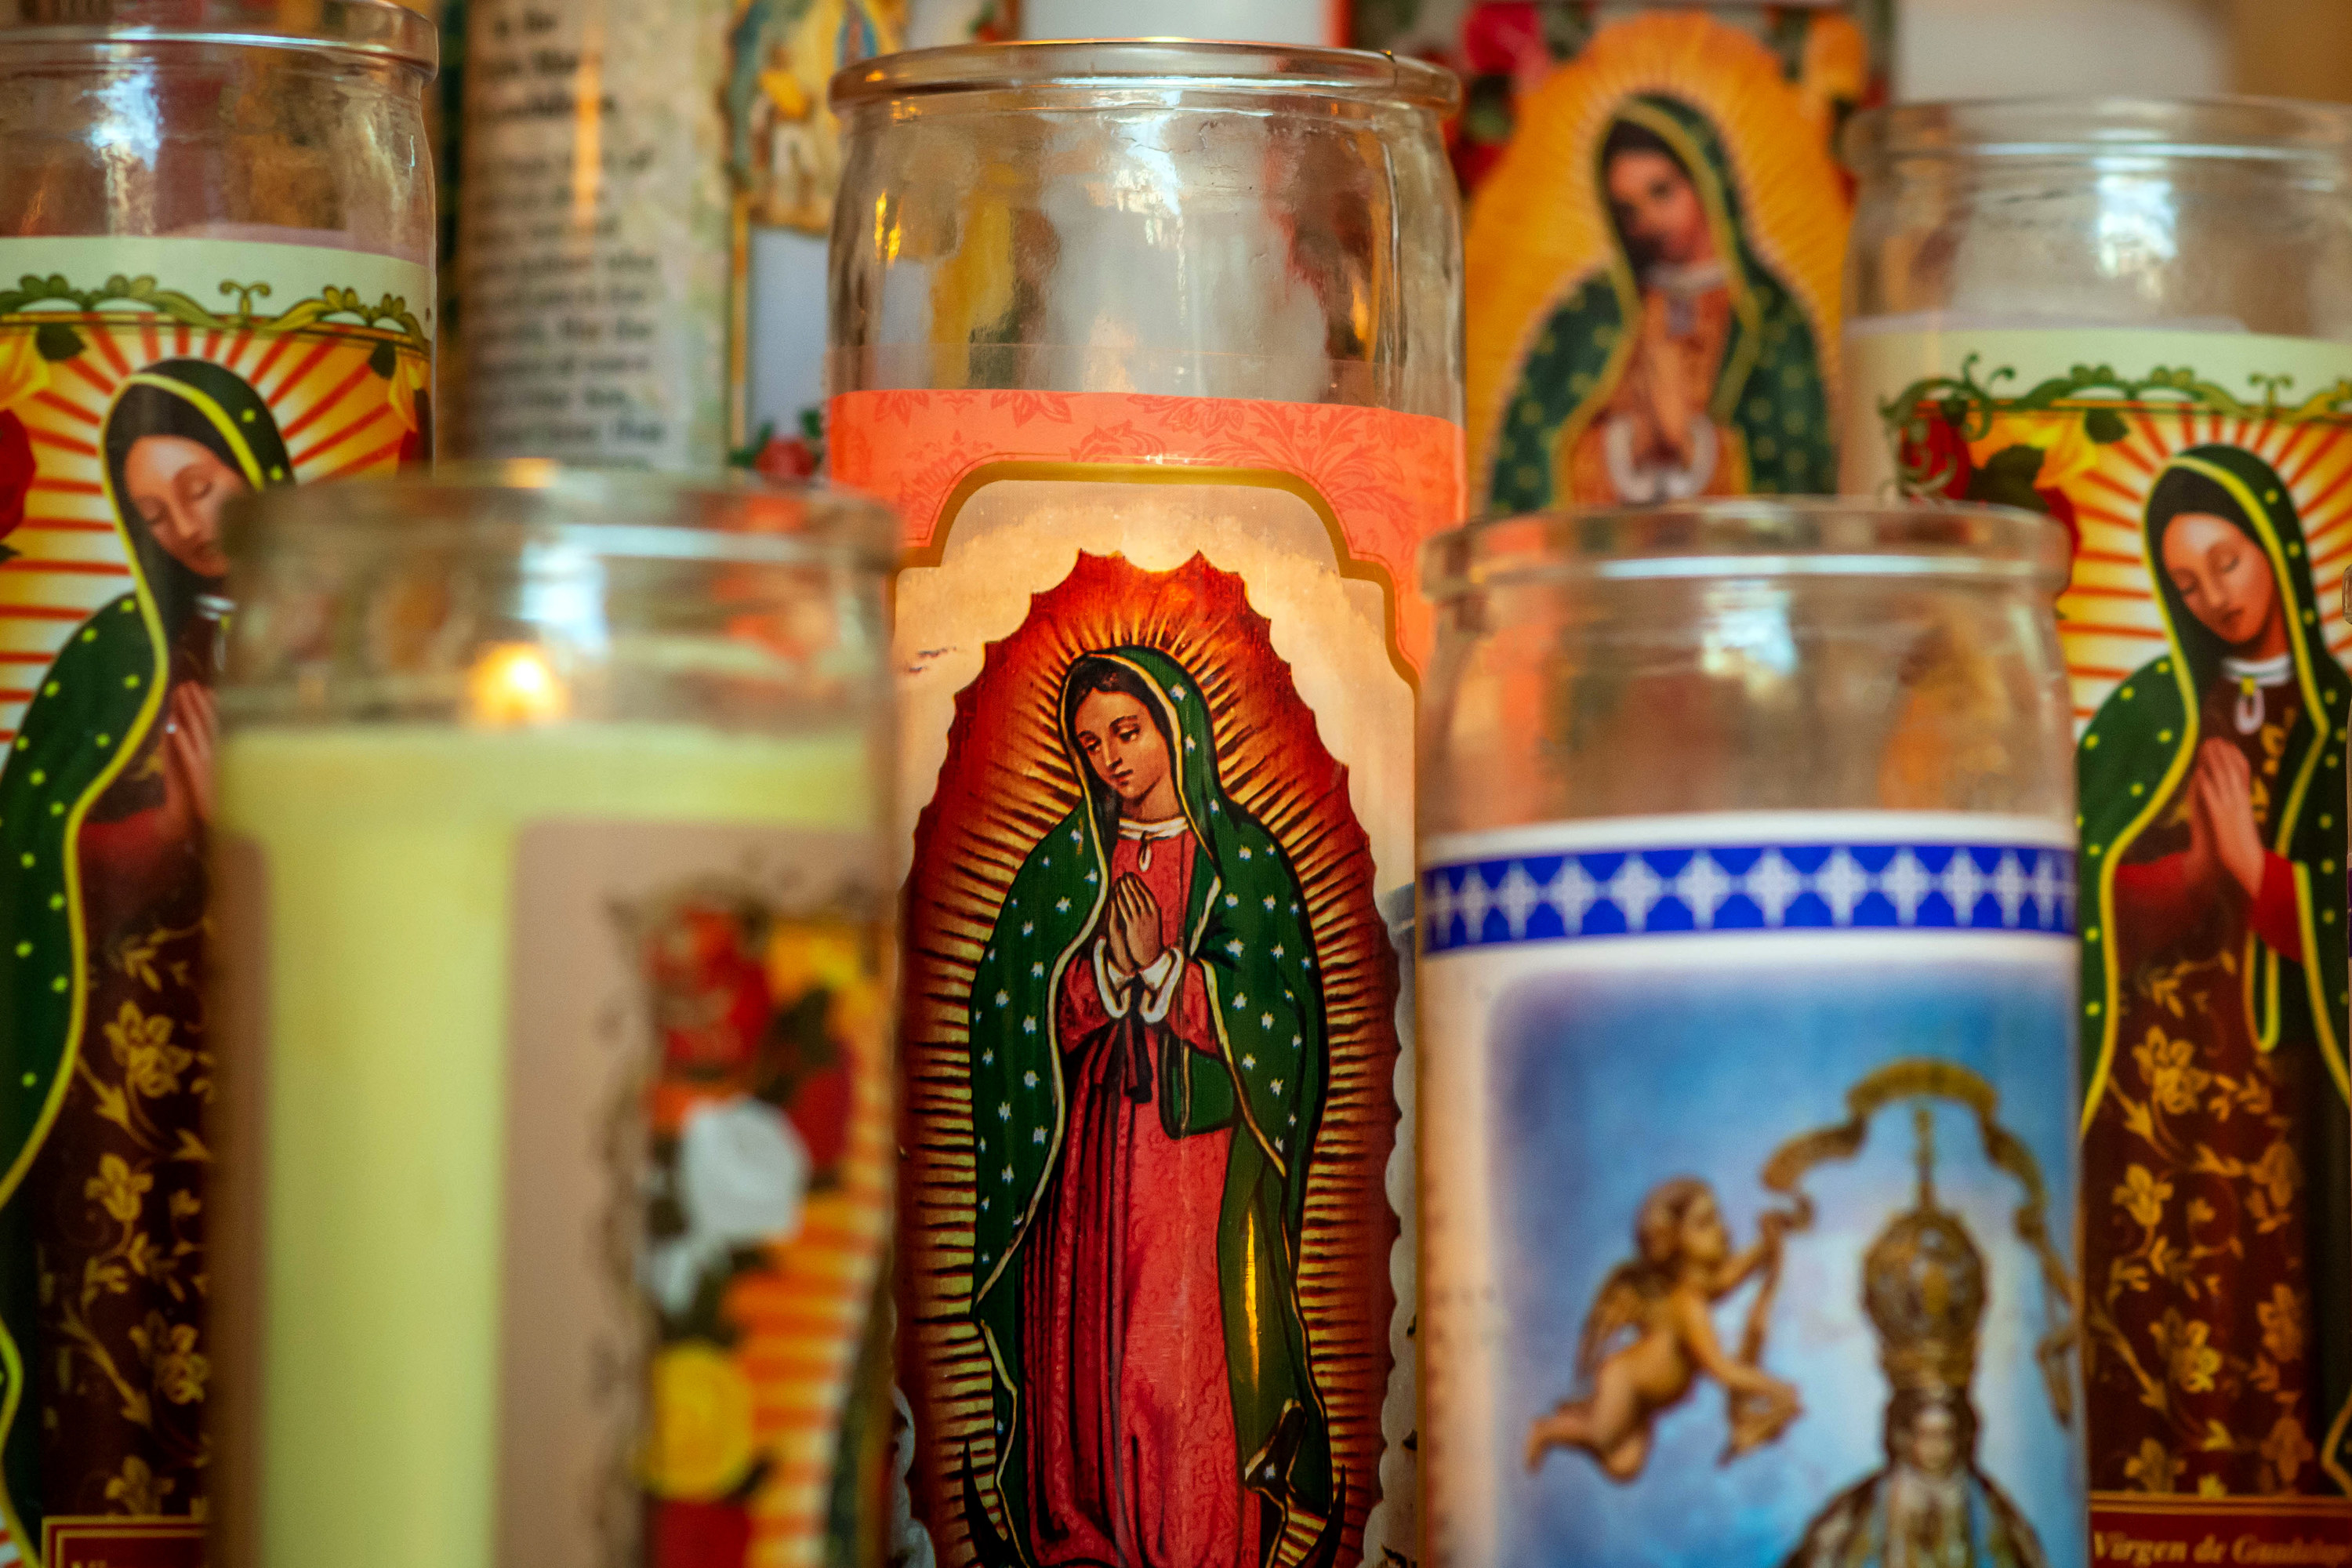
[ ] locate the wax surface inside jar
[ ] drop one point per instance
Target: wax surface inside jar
(390, 870)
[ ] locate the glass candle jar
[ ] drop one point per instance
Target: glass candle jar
(217, 243)
(1155, 346)
(1746, 994)
(1656, 232)
(2136, 317)
(554, 1096)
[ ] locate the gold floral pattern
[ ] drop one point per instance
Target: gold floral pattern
(142, 1047)
(2143, 1195)
(2284, 1453)
(2199, 1305)
(123, 1285)
(118, 1188)
(2282, 1317)
(2191, 1361)
(2170, 1068)
(2154, 1468)
(138, 1489)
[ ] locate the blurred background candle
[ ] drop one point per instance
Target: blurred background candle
(554, 1092)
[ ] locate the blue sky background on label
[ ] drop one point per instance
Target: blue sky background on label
(1607, 1081)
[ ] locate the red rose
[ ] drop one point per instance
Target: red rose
(1941, 457)
(16, 472)
(785, 458)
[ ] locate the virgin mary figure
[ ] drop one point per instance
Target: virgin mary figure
(2214, 994)
(103, 803)
(1148, 1065)
(1684, 367)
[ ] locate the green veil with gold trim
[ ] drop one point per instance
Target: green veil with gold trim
(2130, 765)
(1771, 392)
(91, 721)
(1249, 931)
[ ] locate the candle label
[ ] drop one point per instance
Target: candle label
(144, 383)
(2206, 480)
(1653, 263)
(1748, 1186)
(697, 1205)
(1160, 657)
(693, 1364)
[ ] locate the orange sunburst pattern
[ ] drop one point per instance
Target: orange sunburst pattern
(1004, 783)
(345, 398)
(2108, 617)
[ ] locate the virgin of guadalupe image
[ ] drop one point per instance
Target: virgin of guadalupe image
(1148, 1056)
(2214, 994)
(1930, 1505)
(1685, 367)
(103, 806)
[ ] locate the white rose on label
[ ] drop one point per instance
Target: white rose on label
(742, 1173)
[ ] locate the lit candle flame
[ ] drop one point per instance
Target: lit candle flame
(512, 683)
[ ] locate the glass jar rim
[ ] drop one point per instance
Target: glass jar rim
(377, 28)
(1751, 537)
(2216, 127)
(502, 508)
(1147, 64)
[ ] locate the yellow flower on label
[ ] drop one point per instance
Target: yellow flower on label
(2170, 1068)
(802, 958)
(180, 1371)
(142, 1044)
(170, 1351)
(137, 1488)
(2155, 1468)
(2191, 1360)
(2279, 1173)
(2286, 1451)
(2282, 1319)
(2068, 450)
(118, 1188)
(2143, 1194)
(699, 1446)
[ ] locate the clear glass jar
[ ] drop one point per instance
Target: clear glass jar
(1747, 989)
(1157, 349)
(229, 118)
(2136, 316)
(554, 1014)
(1217, 220)
(2219, 214)
(1813, 656)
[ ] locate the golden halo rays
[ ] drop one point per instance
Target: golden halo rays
(2108, 619)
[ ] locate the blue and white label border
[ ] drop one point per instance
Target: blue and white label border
(1747, 872)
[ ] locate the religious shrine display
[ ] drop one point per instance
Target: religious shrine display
(216, 278)
(551, 1088)
(1747, 1156)
(2177, 397)
(1154, 348)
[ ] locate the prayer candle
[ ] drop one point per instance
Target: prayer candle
(553, 1108)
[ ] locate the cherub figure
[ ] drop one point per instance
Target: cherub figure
(1651, 1335)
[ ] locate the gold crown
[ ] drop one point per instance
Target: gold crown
(1923, 1283)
